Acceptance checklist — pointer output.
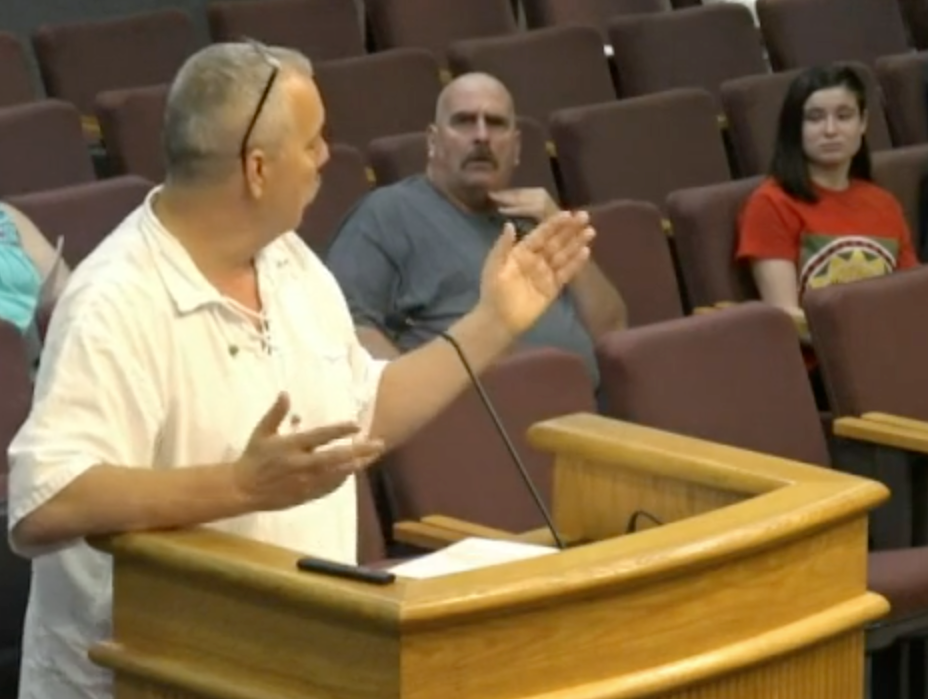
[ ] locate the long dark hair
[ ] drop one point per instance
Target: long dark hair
(790, 166)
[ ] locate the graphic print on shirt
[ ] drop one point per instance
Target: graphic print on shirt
(830, 259)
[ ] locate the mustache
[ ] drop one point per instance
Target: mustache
(481, 154)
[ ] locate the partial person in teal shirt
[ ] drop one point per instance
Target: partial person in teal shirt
(27, 260)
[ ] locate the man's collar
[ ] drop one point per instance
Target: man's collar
(184, 281)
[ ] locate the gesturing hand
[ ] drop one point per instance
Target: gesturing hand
(520, 280)
(279, 471)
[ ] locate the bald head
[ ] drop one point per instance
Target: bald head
(474, 143)
(470, 85)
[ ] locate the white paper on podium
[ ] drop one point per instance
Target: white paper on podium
(469, 554)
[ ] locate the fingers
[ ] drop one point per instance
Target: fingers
(505, 197)
(519, 211)
(564, 249)
(318, 437)
(533, 203)
(567, 271)
(556, 230)
(567, 261)
(340, 460)
(269, 424)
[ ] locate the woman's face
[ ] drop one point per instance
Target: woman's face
(832, 127)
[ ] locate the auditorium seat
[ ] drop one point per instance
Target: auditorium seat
(904, 172)
(457, 464)
(737, 377)
(633, 252)
(803, 33)
(705, 234)
(639, 148)
(79, 60)
(541, 68)
(17, 393)
(752, 106)
(870, 337)
(436, 24)
(382, 94)
(372, 544)
(393, 158)
(344, 183)
(321, 29)
(589, 13)
(905, 91)
(15, 77)
(42, 146)
(82, 214)
(130, 127)
(721, 43)
(14, 571)
(915, 13)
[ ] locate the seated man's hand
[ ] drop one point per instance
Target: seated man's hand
(534, 203)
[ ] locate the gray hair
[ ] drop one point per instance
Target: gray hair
(212, 101)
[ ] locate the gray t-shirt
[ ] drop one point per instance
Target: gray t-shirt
(405, 251)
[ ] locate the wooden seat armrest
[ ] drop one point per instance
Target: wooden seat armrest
(91, 127)
(907, 423)
(425, 536)
(437, 531)
(466, 529)
(883, 434)
(802, 329)
(700, 310)
(541, 536)
(802, 325)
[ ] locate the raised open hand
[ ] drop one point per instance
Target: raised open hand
(520, 280)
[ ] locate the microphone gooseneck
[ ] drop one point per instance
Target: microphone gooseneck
(396, 323)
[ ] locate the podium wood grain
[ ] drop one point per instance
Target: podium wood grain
(755, 586)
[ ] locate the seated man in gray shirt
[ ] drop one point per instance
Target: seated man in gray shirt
(414, 250)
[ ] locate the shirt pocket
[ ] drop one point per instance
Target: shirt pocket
(323, 389)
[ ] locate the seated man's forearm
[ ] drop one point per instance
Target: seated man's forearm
(599, 304)
(418, 385)
(108, 499)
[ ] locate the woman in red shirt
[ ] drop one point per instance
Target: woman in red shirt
(819, 219)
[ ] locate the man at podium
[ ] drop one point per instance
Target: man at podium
(202, 366)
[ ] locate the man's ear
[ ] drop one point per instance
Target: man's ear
(255, 167)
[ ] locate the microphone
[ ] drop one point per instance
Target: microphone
(397, 322)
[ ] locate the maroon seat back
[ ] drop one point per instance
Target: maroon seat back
(83, 214)
(43, 147)
(321, 29)
(79, 60)
(457, 464)
(131, 122)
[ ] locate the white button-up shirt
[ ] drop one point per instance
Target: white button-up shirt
(147, 365)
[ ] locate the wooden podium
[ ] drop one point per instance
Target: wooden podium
(753, 588)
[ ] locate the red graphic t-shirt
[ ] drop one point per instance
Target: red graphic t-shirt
(847, 235)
